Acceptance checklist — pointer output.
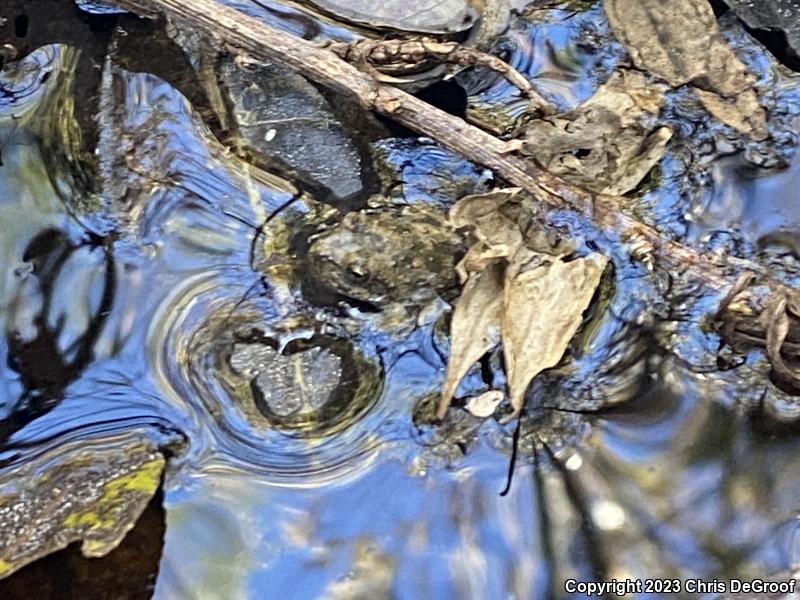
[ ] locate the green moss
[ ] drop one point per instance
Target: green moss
(101, 514)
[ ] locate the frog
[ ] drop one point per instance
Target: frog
(395, 259)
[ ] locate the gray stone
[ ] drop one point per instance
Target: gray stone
(281, 115)
(775, 15)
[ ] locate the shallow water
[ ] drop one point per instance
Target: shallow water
(121, 310)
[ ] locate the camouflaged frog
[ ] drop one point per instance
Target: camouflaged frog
(396, 258)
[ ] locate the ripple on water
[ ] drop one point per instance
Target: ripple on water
(565, 54)
(292, 403)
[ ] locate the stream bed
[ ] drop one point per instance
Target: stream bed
(173, 295)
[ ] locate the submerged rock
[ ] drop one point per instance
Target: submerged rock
(91, 491)
(280, 114)
(773, 15)
(313, 386)
(288, 385)
(421, 16)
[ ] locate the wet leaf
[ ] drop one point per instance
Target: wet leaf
(470, 211)
(742, 112)
(92, 491)
(518, 290)
(758, 315)
(475, 327)
(680, 42)
(607, 144)
(496, 234)
(777, 327)
(543, 304)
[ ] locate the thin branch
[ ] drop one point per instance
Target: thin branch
(245, 35)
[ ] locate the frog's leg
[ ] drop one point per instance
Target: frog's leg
(373, 55)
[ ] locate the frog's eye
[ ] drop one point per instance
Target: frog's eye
(356, 274)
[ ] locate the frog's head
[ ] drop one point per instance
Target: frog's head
(384, 257)
(346, 265)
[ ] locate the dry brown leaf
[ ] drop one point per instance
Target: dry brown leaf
(495, 234)
(469, 210)
(484, 215)
(680, 42)
(608, 143)
(742, 112)
(474, 328)
(479, 257)
(517, 289)
(543, 303)
(630, 174)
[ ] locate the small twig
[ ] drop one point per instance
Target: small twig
(512, 464)
(246, 35)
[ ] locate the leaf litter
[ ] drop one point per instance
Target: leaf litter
(680, 42)
(608, 143)
(525, 292)
(531, 298)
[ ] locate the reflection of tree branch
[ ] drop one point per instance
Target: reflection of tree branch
(545, 524)
(45, 371)
(48, 22)
(144, 47)
(594, 547)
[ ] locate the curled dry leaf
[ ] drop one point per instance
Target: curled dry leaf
(679, 41)
(543, 305)
(608, 143)
(93, 491)
(471, 210)
(518, 289)
(474, 328)
(496, 234)
(776, 335)
(758, 315)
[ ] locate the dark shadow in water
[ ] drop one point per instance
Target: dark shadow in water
(596, 559)
(545, 525)
(144, 47)
(51, 22)
(448, 96)
(45, 370)
(127, 572)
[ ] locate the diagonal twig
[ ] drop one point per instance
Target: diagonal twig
(242, 34)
